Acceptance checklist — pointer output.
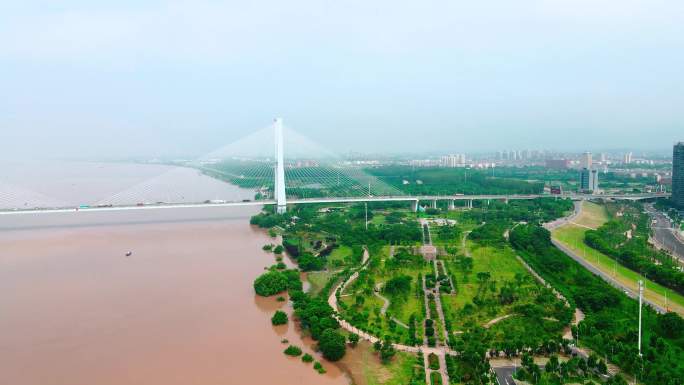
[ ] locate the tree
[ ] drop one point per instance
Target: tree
(387, 352)
(552, 365)
(483, 276)
(279, 318)
(400, 285)
(671, 325)
(270, 283)
(353, 339)
(332, 345)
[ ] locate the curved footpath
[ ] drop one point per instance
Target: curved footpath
(332, 301)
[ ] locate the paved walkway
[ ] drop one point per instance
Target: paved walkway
(440, 311)
(386, 304)
(332, 301)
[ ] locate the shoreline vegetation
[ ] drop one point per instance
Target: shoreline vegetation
(472, 303)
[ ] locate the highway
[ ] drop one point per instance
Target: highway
(504, 375)
(628, 291)
(400, 198)
(664, 235)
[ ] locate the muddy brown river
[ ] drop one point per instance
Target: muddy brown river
(74, 309)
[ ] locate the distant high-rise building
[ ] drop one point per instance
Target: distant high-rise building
(628, 158)
(603, 157)
(588, 180)
(453, 160)
(678, 175)
(586, 161)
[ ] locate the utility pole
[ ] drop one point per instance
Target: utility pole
(641, 294)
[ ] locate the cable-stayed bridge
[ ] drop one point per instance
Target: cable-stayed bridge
(258, 166)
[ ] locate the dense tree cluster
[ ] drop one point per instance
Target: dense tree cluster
(441, 181)
(273, 282)
(332, 344)
(538, 210)
(267, 220)
(399, 285)
(270, 283)
(471, 365)
(489, 234)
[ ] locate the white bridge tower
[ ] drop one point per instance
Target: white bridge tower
(281, 200)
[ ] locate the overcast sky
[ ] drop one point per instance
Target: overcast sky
(118, 78)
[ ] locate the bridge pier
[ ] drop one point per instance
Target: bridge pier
(470, 204)
(452, 204)
(281, 200)
(433, 204)
(414, 206)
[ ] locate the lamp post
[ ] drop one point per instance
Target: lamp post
(641, 294)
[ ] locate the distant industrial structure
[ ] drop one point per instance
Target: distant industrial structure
(678, 175)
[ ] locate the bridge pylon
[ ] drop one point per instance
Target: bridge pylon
(279, 186)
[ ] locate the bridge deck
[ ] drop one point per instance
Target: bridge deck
(331, 200)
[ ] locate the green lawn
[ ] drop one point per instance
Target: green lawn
(317, 280)
(338, 255)
(573, 237)
(502, 264)
(378, 219)
(367, 369)
(593, 215)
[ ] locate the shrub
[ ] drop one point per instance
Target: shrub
(278, 249)
(279, 318)
(319, 368)
(268, 247)
(293, 351)
(307, 358)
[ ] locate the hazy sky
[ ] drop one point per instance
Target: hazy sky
(88, 78)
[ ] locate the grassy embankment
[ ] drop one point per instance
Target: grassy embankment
(366, 368)
(571, 236)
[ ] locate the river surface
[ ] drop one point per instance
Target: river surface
(180, 310)
(44, 184)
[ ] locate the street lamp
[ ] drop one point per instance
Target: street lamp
(641, 294)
